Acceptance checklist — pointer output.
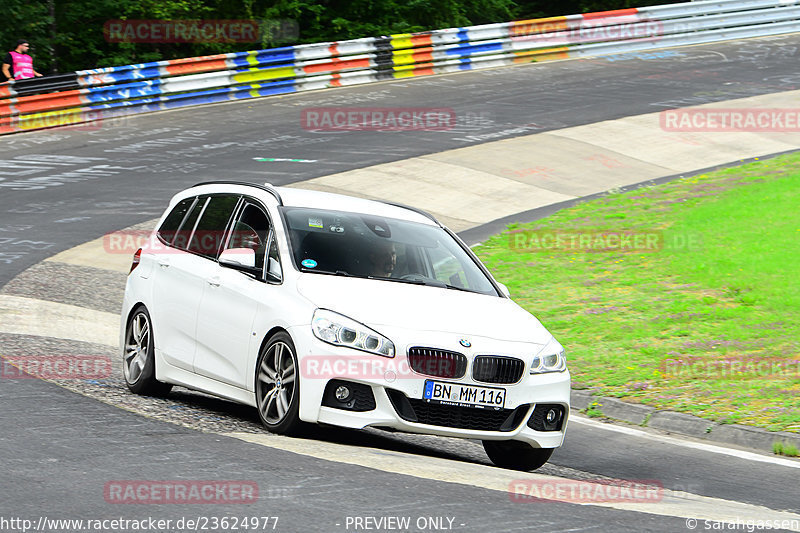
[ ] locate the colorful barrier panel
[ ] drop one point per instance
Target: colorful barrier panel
(117, 91)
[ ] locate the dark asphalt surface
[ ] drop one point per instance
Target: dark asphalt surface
(61, 187)
(74, 446)
(58, 448)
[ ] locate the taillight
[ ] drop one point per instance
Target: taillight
(136, 259)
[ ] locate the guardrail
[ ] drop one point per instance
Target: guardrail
(112, 92)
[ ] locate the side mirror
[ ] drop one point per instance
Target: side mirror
(504, 289)
(274, 272)
(243, 259)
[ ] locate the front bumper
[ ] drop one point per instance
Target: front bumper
(390, 381)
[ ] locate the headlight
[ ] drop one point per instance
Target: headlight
(551, 358)
(339, 330)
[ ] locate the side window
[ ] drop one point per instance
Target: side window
(172, 223)
(185, 231)
(208, 234)
(274, 271)
(251, 230)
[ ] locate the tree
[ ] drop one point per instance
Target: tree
(67, 35)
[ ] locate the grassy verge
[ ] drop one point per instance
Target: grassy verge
(699, 313)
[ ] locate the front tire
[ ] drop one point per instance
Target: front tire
(516, 455)
(278, 386)
(138, 360)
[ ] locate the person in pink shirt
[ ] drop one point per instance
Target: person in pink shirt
(17, 64)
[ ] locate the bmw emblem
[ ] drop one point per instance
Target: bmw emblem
(465, 343)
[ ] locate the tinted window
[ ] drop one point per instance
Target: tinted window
(352, 244)
(210, 229)
(274, 271)
(251, 230)
(173, 221)
(185, 231)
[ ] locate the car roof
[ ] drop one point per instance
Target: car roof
(293, 197)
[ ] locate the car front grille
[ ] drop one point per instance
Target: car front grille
(497, 369)
(434, 414)
(437, 363)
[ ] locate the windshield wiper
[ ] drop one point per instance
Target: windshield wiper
(427, 282)
(457, 288)
(400, 280)
(332, 273)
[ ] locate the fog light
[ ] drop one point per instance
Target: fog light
(342, 393)
(547, 417)
(552, 418)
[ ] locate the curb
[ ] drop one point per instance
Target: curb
(683, 424)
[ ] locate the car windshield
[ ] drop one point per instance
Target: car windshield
(368, 246)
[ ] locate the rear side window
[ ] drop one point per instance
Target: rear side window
(209, 233)
(172, 223)
(185, 231)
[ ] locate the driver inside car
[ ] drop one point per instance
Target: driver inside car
(383, 258)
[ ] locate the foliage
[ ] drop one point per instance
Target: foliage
(593, 410)
(783, 448)
(73, 39)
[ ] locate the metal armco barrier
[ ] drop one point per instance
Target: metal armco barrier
(118, 91)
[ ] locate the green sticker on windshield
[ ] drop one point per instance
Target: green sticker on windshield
(315, 223)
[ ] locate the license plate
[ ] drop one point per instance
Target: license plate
(464, 395)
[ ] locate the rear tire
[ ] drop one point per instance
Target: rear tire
(138, 359)
(516, 455)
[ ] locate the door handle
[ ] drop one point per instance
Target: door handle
(214, 282)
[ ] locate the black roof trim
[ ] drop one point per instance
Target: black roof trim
(270, 190)
(414, 209)
(277, 196)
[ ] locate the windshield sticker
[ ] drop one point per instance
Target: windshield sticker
(315, 223)
(308, 263)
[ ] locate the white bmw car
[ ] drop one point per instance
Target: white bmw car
(322, 308)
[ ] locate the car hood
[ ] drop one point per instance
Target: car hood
(422, 308)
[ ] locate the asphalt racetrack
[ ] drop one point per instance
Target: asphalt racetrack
(63, 187)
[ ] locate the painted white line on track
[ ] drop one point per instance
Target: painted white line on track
(28, 316)
(741, 454)
(42, 318)
(50, 319)
(671, 503)
(97, 254)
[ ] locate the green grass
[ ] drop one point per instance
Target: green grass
(724, 285)
(593, 410)
(783, 448)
